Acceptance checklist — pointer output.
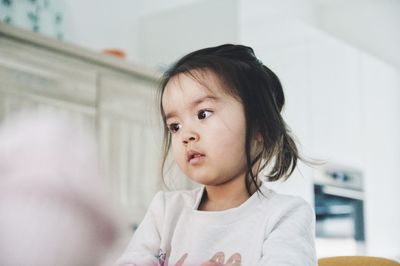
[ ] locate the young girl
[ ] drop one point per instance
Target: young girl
(221, 109)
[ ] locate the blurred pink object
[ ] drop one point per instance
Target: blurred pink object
(54, 208)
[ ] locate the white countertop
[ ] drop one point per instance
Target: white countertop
(75, 50)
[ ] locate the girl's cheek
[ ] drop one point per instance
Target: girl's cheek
(174, 148)
(174, 141)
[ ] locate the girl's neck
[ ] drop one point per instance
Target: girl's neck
(225, 196)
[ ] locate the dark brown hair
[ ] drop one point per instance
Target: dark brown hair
(261, 94)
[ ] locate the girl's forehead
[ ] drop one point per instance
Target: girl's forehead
(194, 83)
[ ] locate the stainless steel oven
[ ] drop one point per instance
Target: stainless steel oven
(339, 209)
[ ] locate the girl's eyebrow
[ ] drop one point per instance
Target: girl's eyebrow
(203, 99)
(193, 104)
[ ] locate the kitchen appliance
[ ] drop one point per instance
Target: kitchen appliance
(339, 209)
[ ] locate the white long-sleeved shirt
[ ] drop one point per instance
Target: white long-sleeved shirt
(269, 229)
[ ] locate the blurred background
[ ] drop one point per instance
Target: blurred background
(339, 62)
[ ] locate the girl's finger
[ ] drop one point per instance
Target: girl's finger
(234, 260)
(181, 260)
(216, 260)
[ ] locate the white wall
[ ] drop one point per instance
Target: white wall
(101, 24)
(164, 37)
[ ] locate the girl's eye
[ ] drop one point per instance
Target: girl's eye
(174, 127)
(202, 114)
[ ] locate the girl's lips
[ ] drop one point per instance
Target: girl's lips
(194, 157)
(196, 160)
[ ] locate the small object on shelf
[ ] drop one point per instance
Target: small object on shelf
(115, 52)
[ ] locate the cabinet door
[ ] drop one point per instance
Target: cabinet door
(335, 101)
(381, 153)
(130, 140)
(30, 78)
(38, 72)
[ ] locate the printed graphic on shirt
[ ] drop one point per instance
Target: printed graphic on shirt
(162, 256)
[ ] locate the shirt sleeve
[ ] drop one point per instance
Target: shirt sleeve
(144, 246)
(291, 240)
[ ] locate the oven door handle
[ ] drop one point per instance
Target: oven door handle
(342, 192)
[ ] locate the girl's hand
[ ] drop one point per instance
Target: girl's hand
(217, 260)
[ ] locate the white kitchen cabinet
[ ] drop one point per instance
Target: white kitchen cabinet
(335, 101)
(381, 155)
(114, 98)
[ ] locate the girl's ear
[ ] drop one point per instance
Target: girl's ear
(259, 138)
(258, 143)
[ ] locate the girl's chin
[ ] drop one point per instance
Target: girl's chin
(206, 181)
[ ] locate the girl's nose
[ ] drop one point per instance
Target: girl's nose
(190, 137)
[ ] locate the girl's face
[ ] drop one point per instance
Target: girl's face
(207, 129)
